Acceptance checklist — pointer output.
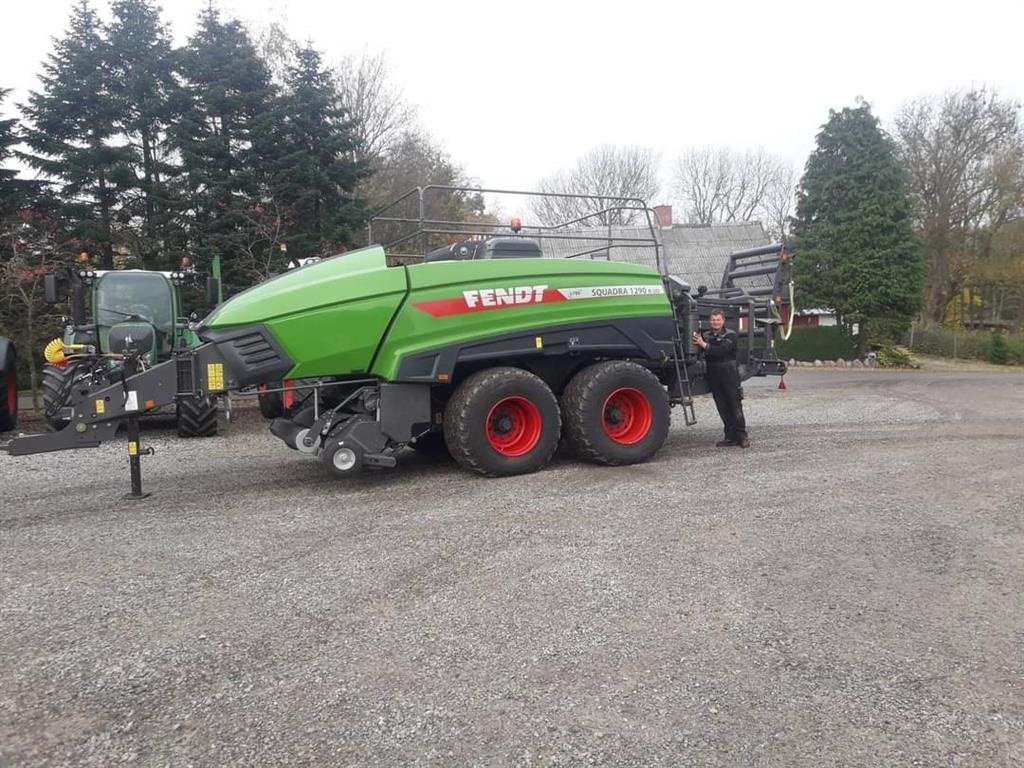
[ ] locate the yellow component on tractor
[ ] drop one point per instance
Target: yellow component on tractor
(54, 352)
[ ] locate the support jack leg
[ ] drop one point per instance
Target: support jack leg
(135, 452)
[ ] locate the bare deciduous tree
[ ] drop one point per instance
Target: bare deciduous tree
(721, 185)
(780, 202)
(615, 174)
(378, 108)
(276, 47)
(28, 250)
(416, 159)
(964, 156)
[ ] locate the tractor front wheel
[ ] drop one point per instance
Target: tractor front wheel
(57, 382)
(615, 412)
(502, 421)
(197, 417)
(8, 392)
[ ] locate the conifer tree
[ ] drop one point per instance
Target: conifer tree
(9, 186)
(316, 171)
(856, 251)
(70, 126)
(223, 137)
(147, 101)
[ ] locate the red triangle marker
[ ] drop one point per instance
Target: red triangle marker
(782, 382)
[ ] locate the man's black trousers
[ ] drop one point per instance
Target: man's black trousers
(724, 380)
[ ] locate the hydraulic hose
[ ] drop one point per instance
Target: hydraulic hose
(56, 351)
(784, 335)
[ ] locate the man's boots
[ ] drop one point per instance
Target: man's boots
(742, 443)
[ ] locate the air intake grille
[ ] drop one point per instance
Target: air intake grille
(254, 350)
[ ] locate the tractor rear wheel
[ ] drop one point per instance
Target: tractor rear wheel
(197, 418)
(502, 421)
(615, 412)
(8, 392)
(57, 393)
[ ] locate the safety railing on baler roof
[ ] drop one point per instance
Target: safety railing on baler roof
(571, 226)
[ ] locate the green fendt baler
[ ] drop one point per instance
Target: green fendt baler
(487, 347)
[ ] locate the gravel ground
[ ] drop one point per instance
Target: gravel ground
(848, 591)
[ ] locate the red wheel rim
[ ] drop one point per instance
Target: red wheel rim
(627, 416)
(288, 395)
(513, 426)
(12, 393)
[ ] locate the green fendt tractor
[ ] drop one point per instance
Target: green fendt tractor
(118, 313)
(497, 341)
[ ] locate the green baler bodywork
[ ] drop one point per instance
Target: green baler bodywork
(354, 314)
(416, 330)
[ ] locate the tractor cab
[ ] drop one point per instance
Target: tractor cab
(135, 310)
(489, 248)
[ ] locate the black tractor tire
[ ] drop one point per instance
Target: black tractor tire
(8, 392)
(56, 393)
(615, 413)
(197, 418)
(271, 403)
(502, 421)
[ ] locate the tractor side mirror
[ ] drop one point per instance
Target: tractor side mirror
(212, 291)
(50, 288)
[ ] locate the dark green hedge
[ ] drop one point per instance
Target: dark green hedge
(818, 343)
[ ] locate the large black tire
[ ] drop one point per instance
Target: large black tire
(56, 392)
(502, 421)
(615, 412)
(8, 392)
(197, 418)
(271, 403)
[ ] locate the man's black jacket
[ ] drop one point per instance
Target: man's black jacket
(721, 356)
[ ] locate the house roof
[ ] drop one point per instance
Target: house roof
(697, 254)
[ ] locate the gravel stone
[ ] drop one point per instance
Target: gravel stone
(847, 591)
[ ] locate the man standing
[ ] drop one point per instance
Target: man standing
(719, 345)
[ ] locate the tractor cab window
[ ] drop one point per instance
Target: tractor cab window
(134, 297)
(488, 248)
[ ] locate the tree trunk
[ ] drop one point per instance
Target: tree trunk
(33, 375)
(148, 238)
(107, 256)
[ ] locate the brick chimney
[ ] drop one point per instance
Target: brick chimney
(664, 214)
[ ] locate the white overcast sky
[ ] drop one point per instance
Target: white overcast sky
(516, 90)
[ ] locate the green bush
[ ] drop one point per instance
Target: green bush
(883, 330)
(892, 356)
(818, 343)
(998, 351)
(966, 345)
(1015, 349)
(946, 342)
